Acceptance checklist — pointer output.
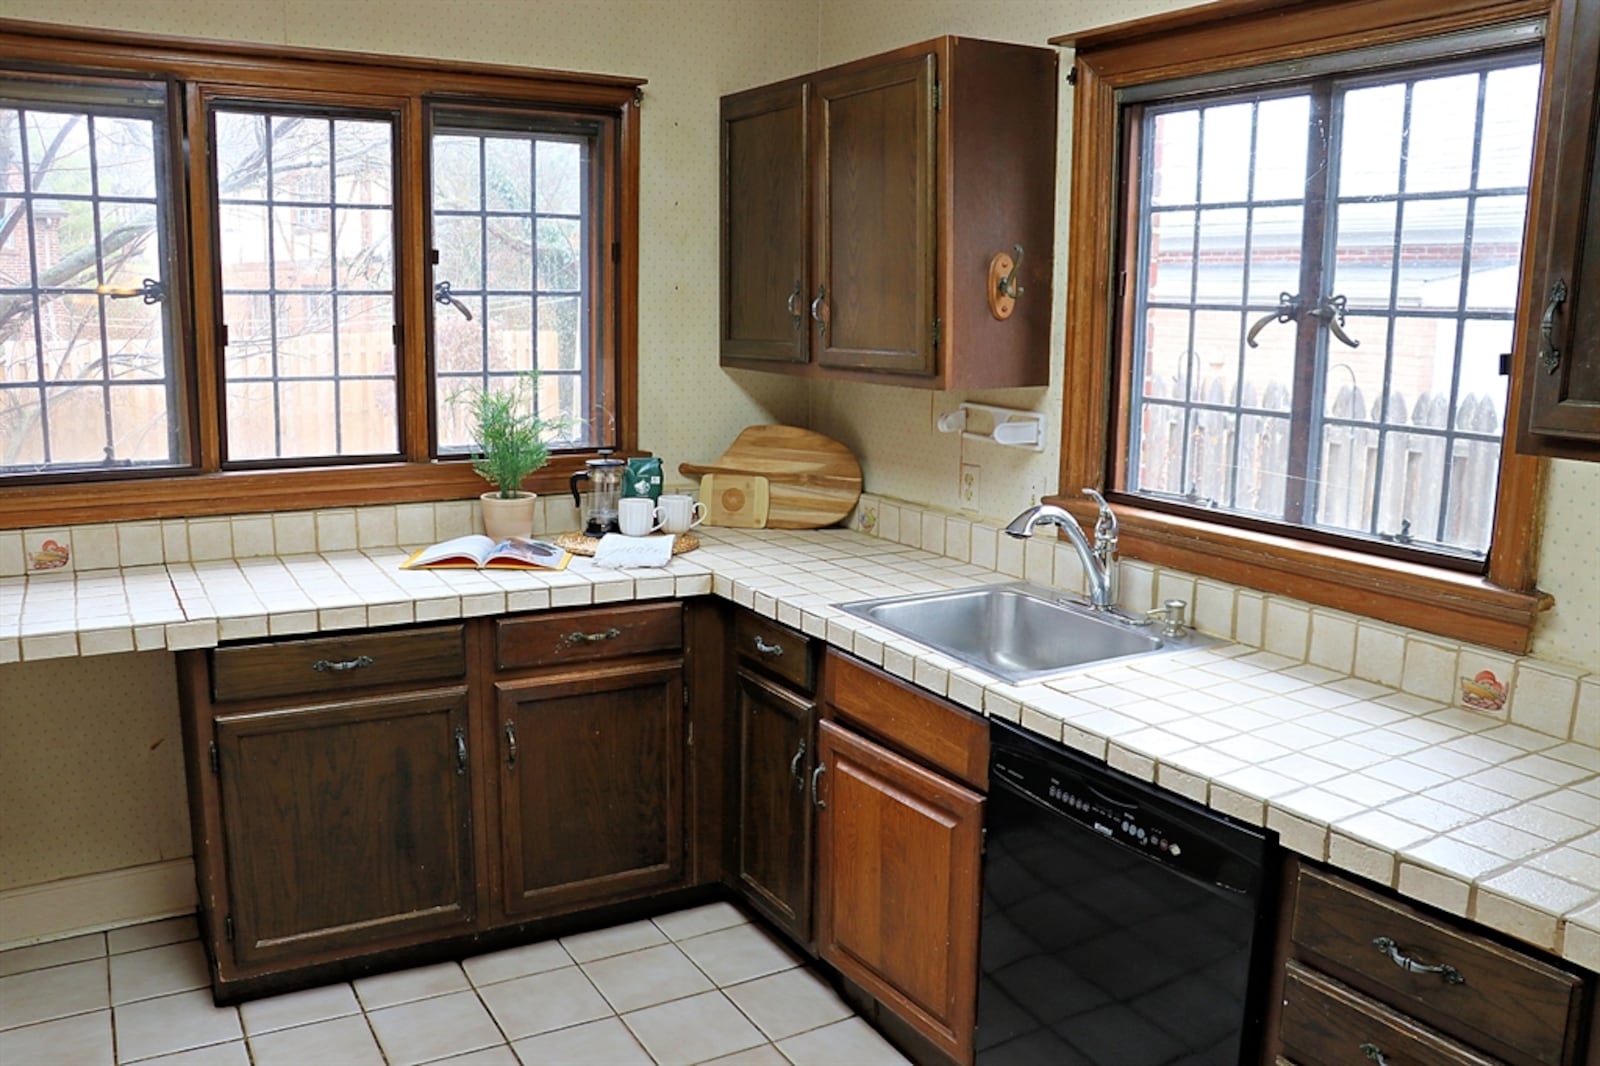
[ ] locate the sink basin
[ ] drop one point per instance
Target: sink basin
(1019, 632)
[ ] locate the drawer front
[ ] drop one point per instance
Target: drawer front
(1492, 997)
(586, 635)
(1325, 1022)
(941, 734)
(336, 665)
(775, 648)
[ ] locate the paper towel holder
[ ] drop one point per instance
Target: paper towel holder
(1013, 428)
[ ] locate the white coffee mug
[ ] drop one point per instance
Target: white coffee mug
(638, 516)
(680, 513)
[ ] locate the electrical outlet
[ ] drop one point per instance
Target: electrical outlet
(967, 493)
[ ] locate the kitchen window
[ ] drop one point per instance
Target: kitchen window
(515, 233)
(1284, 353)
(315, 228)
(90, 368)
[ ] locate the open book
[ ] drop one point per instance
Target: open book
(477, 552)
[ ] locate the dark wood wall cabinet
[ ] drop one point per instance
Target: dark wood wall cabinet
(1371, 978)
(1560, 407)
(864, 205)
(360, 794)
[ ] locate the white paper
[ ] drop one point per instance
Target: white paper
(617, 551)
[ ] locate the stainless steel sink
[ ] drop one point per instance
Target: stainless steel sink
(1019, 632)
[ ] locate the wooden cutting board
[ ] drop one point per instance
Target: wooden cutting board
(736, 501)
(812, 480)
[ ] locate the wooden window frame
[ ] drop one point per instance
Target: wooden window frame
(242, 71)
(1498, 608)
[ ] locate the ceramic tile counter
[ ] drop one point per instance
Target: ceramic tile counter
(1464, 810)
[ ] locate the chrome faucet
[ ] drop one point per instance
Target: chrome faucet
(1099, 562)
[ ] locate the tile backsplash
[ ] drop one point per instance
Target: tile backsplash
(1538, 694)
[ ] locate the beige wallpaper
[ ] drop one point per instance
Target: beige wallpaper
(91, 767)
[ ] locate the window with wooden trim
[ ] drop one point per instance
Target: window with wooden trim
(292, 211)
(90, 371)
(1271, 158)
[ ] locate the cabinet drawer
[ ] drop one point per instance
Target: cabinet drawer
(943, 735)
(1326, 1022)
(776, 648)
(337, 665)
(1496, 998)
(586, 635)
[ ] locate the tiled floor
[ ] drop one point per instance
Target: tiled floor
(700, 985)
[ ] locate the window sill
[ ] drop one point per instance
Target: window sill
(1462, 607)
(254, 491)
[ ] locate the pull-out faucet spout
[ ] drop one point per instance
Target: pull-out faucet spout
(1099, 562)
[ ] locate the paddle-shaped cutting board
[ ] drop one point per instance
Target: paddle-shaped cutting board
(736, 501)
(812, 480)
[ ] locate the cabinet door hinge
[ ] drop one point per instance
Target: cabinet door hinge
(616, 251)
(690, 735)
(938, 95)
(1072, 75)
(216, 760)
(983, 840)
(686, 697)
(227, 928)
(224, 334)
(938, 331)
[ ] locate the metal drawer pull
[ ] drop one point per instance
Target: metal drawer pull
(1451, 975)
(461, 750)
(794, 312)
(322, 666)
(1375, 1053)
(816, 798)
(764, 648)
(591, 638)
(511, 743)
(794, 764)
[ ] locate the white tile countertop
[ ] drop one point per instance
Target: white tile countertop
(1485, 819)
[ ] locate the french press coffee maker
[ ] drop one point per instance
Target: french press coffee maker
(599, 504)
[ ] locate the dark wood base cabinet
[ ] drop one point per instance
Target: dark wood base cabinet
(358, 795)
(1370, 978)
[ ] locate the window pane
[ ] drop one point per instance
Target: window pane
(87, 374)
(512, 279)
(1408, 301)
(306, 243)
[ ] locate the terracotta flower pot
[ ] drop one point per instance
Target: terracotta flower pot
(512, 517)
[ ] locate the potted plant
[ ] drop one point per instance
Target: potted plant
(509, 444)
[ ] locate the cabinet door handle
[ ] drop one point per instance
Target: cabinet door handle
(572, 639)
(511, 743)
(1451, 975)
(794, 766)
(1375, 1053)
(461, 750)
(764, 648)
(322, 666)
(1549, 354)
(816, 311)
(794, 311)
(816, 797)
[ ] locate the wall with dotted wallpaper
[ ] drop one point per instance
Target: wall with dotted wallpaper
(891, 428)
(91, 769)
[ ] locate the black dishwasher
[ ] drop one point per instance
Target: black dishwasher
(1122, 924)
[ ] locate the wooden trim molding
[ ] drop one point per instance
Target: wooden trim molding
(1498, 609)
(209, 70)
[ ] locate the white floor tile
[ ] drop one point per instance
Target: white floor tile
(693, 1030)
(404, 986)
(434, 1029)
(161, 1026)
(852, 1041)
(787, 1003)
(516, 962)
(40, 995)
(159, 971)
(645, 978)
(298, 1008)
(541, 1002)
(83, 1040)
(619, 939)
(681, 925)
(53, 953)
(606, 1042)
(730, 956)
(347, 1041)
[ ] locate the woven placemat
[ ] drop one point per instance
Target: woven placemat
(580, 544)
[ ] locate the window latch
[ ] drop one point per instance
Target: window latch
(152, 290)
(1288, 310)
(1331, 314)
(441, 295)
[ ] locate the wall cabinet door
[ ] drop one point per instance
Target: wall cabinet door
(765, 214)
(1560, 412)
(346, 825)
(591, 786)
(874, 227)
(776, 752)
(897, 884)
